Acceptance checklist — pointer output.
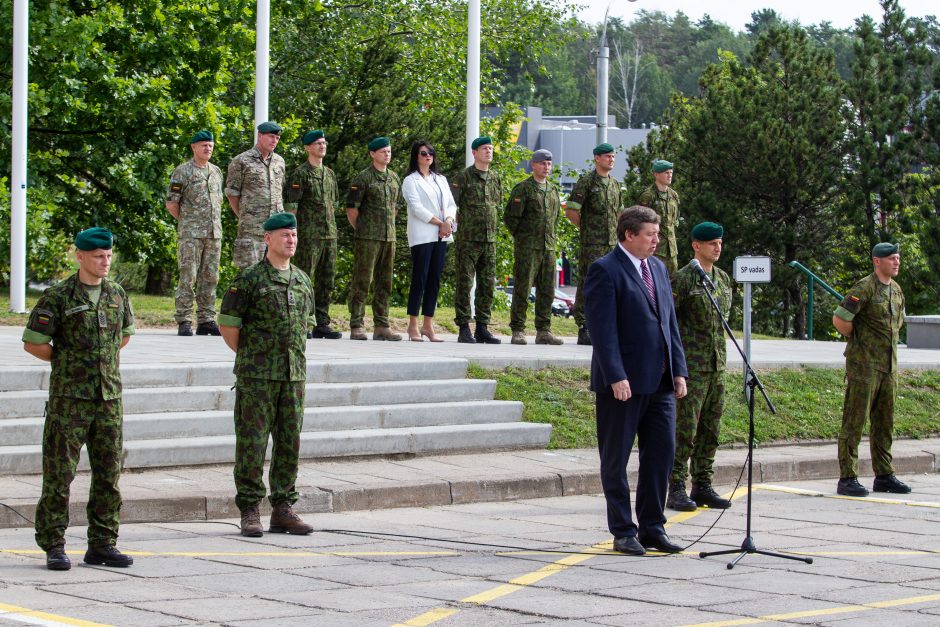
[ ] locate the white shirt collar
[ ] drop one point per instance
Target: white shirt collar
(634, 260)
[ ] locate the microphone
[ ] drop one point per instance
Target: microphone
(702, 274)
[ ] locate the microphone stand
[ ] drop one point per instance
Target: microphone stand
(752, 381)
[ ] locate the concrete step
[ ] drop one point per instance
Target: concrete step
(31, 403)
(220, 449)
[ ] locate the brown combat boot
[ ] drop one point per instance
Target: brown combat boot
(251, 523)
(518, 337)
(546, 337)
(356, 333)
(284, 520)
(384, 333)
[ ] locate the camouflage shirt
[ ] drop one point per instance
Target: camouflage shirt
(532, 214)
(599, 201)
(703, 336)
(259, 184)
(199, 194)
(273, 313)
(666, 204)
(314, 194)
(478, 195)
(876, 312)
(86, 338)
(376, 195)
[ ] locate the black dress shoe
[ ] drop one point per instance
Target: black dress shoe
(705, 496)
(56, 559)
(660, 543)
(107, 555)
(849, 486)
(679, 500)
(628, 546)
(890, 483)
(208, 328)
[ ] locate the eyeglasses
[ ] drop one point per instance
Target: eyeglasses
(426, 153)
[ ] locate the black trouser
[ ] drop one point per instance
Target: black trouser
(427, 264)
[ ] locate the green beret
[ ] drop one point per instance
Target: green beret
(885, 249)
(661, 165)
(94, 238)
(312, 136)
(379, 143)
(270, 127)
(201, 136)
(283, 220)
(603, 149)
(707, 231)
(480, 141)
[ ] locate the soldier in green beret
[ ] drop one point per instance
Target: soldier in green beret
(264, 319)
(313, 195)
(532, 218)
(254, 189)
(870, 316)
(665, 201)
(80, 325)
(478, 192)
(371, 205)
(698, 413)
(194, 199)
(594, 206)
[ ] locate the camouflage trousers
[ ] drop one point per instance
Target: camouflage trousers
(373, 262)
(317, 257)
(266, 408)
(532, 267)
(588, 255)
(247, 251)
(198, 260)
(672, 263)
(70, 423)
(868, 399)
(698, 425)
(475, 259)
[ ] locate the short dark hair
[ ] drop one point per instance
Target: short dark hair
(415, 149)
(633, 218)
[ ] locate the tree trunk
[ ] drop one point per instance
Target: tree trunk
(158, 281)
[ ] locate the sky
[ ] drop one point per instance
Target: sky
(737, 13)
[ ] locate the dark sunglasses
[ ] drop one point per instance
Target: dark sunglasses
(426, 153)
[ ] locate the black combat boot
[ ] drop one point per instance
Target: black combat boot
(465, 337)
(584, 338)
(679, 500)
(483, 335)
(705, 496)
(185, 328)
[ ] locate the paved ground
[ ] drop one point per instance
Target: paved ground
(543, 561)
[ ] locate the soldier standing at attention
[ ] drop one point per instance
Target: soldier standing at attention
(698, 413)
(264, 319)
(80, 325)
(314, 194)
(532, 217)
(371, 205)
(195, 200)
(664, 200)
(477, 192)
(254, 186)
(594, 206)
(870, 316)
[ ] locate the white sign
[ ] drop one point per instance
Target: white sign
(752, 269)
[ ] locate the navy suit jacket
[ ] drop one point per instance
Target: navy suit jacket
(628, 334)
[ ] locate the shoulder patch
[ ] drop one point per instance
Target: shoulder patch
(295, 185)
(517, 199)
(233, 290)
(176, 187)
(851, 304)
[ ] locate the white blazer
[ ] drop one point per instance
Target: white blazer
(427, 198)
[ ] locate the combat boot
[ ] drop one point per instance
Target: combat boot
(185, 329)
(584, 338)
(208, 328)
(385, 334)
(546, 337)
(56, 559)
(325, 332)
(251, 523)
(890, 483)
(464, 336)
(518, 337)
(357, 333)
(483, 335)
(705, 496)
(284, 520)
(679, 500)
(107, 555)
(849, 486)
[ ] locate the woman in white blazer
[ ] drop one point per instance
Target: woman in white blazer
(431, 219)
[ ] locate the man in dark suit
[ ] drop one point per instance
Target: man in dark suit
(637, 371)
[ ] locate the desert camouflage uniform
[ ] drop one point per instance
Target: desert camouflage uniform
(259, 184)
(876, 312)
(84, 404)
(666, 204)
(273, 309)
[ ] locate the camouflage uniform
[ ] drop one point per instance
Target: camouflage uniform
(258, 184)
(532, 217)
(376, 195)
(477, 195)
(666, 204)
(698, 414)
(199, 194)
(84, 404)
(315, 195)
(273, 309)
(599, 201)
(876, 312)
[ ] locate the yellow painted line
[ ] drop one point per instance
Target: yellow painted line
(829, 611)
(862, 499)
(427, 618)
(256, 553)
(34, 617)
